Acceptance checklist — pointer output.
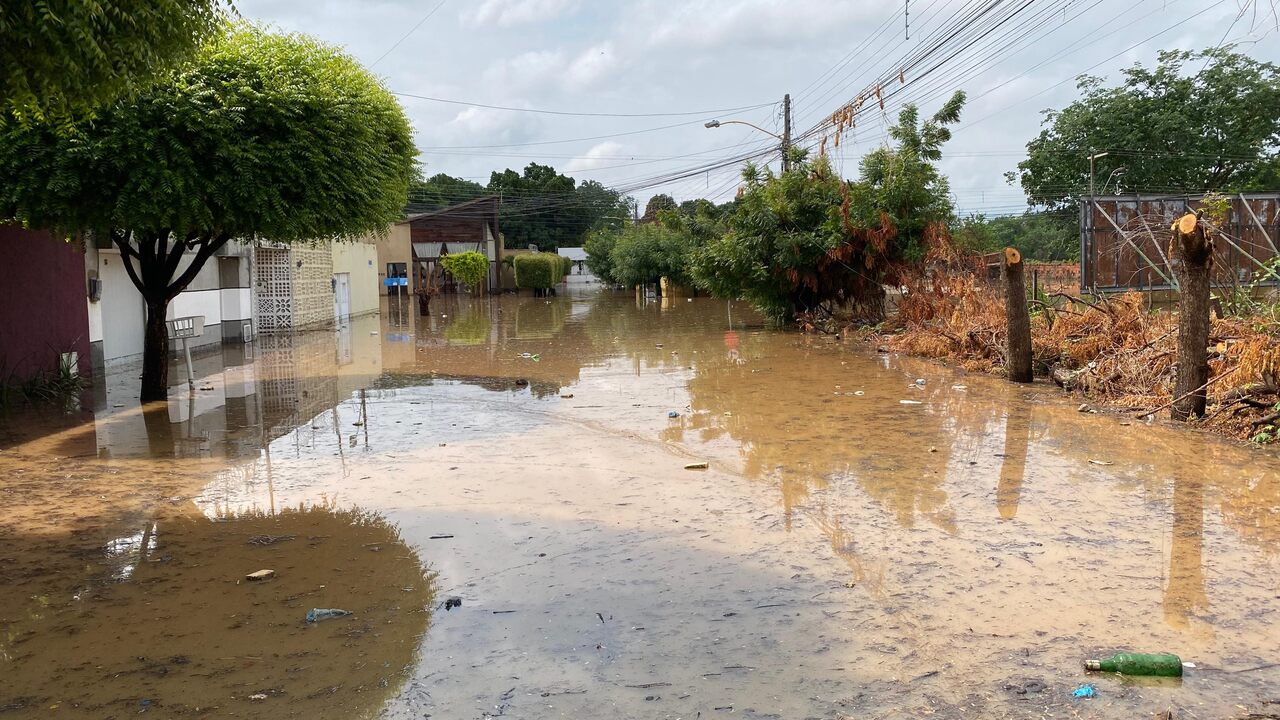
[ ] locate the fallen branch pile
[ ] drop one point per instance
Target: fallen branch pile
(1112, 350)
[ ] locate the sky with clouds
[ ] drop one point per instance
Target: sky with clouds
(668, 66)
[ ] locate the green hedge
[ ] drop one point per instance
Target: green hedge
(566, 266)
(538, 271)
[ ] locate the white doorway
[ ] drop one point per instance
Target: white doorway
(341, 296)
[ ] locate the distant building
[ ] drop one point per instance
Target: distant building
(409, 255)
(579, 258)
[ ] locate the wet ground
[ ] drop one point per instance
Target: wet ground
(861, 546)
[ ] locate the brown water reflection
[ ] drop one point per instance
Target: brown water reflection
(848, 554)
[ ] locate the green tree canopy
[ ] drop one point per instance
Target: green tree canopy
(1172, 129)
(440, 191)
(277, 137)
(645, 253)
(806, 239)
(1044, 236)
(62, 58)
(657, 204)
(471, 268)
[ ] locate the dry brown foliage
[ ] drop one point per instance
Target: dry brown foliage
(1113, 350)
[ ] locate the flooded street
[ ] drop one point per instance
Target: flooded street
(861, 545)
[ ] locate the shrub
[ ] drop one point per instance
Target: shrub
(538, 271)
(471, 268)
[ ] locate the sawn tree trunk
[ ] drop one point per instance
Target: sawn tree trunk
(1193, 250)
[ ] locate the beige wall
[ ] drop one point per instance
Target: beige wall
(312, 285)
(394, 247)
(360, 261)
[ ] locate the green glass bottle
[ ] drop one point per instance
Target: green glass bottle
(1158, 664)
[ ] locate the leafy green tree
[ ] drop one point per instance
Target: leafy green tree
(599, 247)
(471, 268)
(60, 59)
(1044, 236)
(806, 240)
(440, 191)
(1169, 129)
(645, 253)
(274, 137)
(533, 207)
(658, 204)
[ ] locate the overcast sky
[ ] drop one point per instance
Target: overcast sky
(695, 56)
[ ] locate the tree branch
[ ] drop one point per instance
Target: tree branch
(207, 248)
(125, 253)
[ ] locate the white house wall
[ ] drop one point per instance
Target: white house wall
(123, 311)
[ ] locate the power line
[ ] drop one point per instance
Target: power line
(742, 108)
(406, 35)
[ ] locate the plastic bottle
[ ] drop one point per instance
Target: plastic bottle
(318, 614)
(1158, 664)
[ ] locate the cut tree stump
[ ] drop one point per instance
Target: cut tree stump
(1192, 248)
(1019, 318)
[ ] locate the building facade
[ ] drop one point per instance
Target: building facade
(409, 254)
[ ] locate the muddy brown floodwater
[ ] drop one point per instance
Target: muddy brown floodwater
(861, 546)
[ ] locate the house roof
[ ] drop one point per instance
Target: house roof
(472, 207)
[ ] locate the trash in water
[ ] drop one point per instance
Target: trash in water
(920, 381)
(910, 402)
(536, 357)
(258, 696)
(1100, 462)
(1084, 691)
(1084, 408)
(567, 396)
(959, 387)
(452, 603)
(260, 575)
(702, 465)
(526, 355)
(1157, 664)
(673, 414)
(859, 393)
(318, 614)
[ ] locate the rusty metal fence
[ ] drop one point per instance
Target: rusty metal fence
(1124, 240)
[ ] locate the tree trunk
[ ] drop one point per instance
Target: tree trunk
(155, 352)
(1018, 317)
(1193, 250)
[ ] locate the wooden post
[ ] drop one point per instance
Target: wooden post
(1193, 249)
(1019, 318)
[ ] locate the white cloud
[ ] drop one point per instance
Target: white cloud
(505, 13)
(593, 65)
(602, 154)
(716, 23)
(533, 69)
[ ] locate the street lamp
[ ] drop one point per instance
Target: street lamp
(1091, 159)
(784, 138)
(717, 123)
(1117, 173)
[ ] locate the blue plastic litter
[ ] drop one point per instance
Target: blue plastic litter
(1084, 691)
(318, 614)
(673, 414)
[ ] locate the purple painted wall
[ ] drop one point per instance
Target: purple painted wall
(43, 308)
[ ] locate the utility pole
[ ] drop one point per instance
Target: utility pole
(786, 131)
